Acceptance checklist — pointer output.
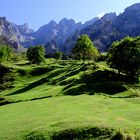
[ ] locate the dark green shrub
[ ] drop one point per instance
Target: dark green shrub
(6, 53)
(83, 133)
(119, 136)
(35, 135)
(58, 55)
(102, 57)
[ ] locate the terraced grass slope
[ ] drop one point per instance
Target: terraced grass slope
(67, 100)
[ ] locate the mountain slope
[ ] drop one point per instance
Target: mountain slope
(14, 35)
(110, 28)
(46, 34)
(63, 35)
(58, 33)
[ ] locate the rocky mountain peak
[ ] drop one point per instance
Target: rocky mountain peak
(90, 22)
(24, 29)
(109, 16)
(133, 8)
(67, 22)
(3, 21)
(52, 23)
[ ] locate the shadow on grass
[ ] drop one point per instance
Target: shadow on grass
(31, 86)
(40, 71)
(106, 81)
(70, 72)
(4, 101)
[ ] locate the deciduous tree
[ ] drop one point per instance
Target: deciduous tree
(36, 54)
(84, 49)
(124, 55)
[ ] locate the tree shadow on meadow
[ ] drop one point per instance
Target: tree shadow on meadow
(108, 82)
(30, 86)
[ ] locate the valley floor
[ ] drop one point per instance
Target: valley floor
(67, 100)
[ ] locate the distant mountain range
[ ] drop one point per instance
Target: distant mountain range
(110, 28)
(63, 35)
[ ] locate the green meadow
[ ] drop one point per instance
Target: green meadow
(67, 100)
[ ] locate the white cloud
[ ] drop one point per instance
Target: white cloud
(100, 15)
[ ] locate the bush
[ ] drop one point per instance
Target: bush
(58, 55)
(103, 57)
(71, 134)
(6, 52)
(119, 136)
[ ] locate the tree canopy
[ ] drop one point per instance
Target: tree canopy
(36, 54)
(124, 55)
(84, 49)
(6, 52)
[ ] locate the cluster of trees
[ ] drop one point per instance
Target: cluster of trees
(124, 55)
(83, 50)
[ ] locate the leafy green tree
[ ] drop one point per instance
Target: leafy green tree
(36, 54)
(58, 55)
(6, 52)
(124, 56)
(84, 49)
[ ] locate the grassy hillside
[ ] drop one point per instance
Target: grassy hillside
(66, 100)
(60, 113)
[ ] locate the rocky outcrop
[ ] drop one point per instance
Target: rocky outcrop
(24, 29)
(14, 34)
(12, 43)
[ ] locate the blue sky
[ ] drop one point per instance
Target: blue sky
(39, 12)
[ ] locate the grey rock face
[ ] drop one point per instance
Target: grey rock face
(110, 28)
(14, 33)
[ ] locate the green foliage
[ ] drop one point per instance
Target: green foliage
(58, 55)
(6, 52)
(36, 54)
(84, 49)
(83, 133)
(124, 55)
